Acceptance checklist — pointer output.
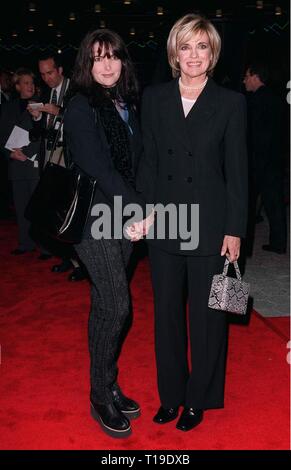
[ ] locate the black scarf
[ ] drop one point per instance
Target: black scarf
(118, 139)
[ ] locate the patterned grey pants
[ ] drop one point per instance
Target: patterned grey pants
(106, 262)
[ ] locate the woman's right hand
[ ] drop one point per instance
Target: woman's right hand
(139, 229)
(134, 232)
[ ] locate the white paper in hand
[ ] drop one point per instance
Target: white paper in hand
(18, 138)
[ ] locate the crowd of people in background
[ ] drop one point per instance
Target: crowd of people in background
(22, 167)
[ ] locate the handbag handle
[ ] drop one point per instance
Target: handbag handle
(56, 139)
(68, 160)
(236, 267)
(63, 90)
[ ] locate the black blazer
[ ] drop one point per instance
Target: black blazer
(12, 115)
(87, 146)
(200, 159)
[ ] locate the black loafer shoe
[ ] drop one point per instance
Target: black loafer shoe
(165, 415)
(127, 406)
(279, 251)
(112, 422)
(189, 419)
(62, 267)
(77, 275)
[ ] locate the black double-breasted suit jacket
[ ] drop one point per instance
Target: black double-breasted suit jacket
(198, 159)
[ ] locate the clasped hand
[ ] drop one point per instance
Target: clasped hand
(139, 229)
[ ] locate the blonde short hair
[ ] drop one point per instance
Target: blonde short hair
(183, 29)
(20, 73)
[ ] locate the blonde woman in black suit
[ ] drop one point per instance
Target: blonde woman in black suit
(195, 153)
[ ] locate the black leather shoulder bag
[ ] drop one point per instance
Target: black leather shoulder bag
(62, 200)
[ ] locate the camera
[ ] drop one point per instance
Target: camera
(38, 133)
(51, 135)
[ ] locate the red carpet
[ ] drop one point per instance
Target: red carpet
(44, 370)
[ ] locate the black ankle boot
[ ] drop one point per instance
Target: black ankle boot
(111, 420)
(127, 406)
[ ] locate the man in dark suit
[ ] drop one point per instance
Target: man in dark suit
(48, 118)
(23, 172)
(266, 175)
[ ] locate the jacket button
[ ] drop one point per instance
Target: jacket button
(189, 179)
(170, 177)
(190, 154)
(170, 151)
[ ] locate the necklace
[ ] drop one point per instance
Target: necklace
(193, 87)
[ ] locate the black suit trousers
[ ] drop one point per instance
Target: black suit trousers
(176, 277)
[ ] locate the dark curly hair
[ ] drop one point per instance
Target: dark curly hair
(126, 89)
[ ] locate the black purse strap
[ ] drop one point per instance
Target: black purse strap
(61, 121)
(236, 267)
(68, 160)
(64, 87)
(54, 146)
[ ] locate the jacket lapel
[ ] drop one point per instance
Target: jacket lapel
(135, 138)
(173, 113)
(204, 108)
(197, 119)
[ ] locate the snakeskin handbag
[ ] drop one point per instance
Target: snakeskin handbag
(228, 293)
